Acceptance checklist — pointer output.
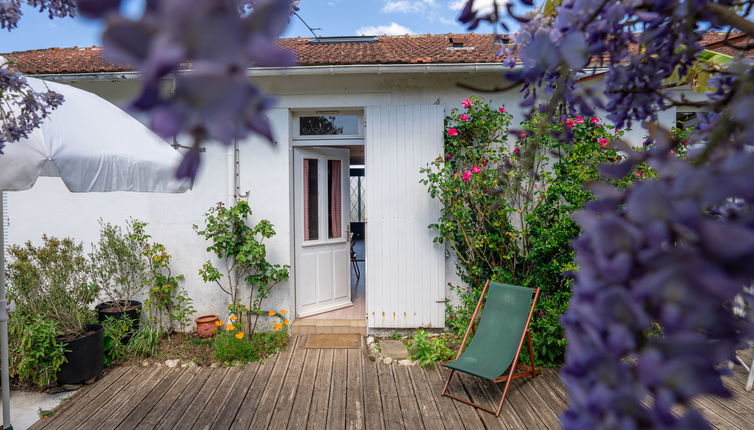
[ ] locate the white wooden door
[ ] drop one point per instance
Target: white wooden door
(323, 280)
(405, 269)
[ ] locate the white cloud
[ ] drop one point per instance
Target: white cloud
(457, 4)
(408, 6)
(393, 29)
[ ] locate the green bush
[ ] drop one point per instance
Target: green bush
(428, 349)
(36, 355)
(116, 330)
(507, 206)
(549, 342)
(144, 342)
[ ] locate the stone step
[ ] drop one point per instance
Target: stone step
(303, 326)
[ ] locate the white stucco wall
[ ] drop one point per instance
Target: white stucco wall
(265, 173)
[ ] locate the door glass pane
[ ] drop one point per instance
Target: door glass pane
(329, 125)
(334, 199)
(311, 200)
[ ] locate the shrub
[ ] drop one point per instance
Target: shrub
(144, 342)
(52, 281)
(35, 353)
(120, 268)
(116, 330)
(507, 206)
(429, 349)
(233, 345)
(168, 305)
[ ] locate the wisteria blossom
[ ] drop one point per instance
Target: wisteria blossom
(661, 261)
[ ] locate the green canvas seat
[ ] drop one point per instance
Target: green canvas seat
(499, 337)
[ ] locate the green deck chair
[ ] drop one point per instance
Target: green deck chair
(498, 340)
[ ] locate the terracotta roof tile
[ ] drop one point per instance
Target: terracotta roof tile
(422, 49)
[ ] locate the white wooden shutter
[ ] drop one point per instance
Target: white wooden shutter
(405, 269)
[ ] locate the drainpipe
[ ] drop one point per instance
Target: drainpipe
(233, 172)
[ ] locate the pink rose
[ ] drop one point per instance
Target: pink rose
(579, 119)
(603, 142)
(570, 123)
(452, 132)
(502, 110)
(476, 169)
(466, 103)
(595, 119)
(466, 176)
(448, 156)
(465, 117)
(516, 150)
(522, 135)
(638, 174)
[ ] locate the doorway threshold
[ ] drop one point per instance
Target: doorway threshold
(305, 326)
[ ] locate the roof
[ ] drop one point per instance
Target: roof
(426, 49)
(431, 48)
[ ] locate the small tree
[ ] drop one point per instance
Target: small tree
(119, 267)
(242, 255)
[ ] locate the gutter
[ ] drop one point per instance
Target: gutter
(348, 69)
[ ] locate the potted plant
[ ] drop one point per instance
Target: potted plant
(120, 270)
(52, 283)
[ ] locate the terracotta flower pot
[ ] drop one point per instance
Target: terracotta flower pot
(206, 325)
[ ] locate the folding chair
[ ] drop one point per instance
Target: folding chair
(498, 339)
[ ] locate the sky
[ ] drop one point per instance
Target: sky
(332, 17)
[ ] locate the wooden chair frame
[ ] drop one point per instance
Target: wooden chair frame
(515, 371)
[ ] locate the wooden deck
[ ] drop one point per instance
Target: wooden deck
(325, 388)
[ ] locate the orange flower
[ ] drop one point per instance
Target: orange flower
(286, 322)
(246, 308)
(283, 311)
(233, 317)
(218, 323)
(277, 326)
(230, 327)
(271, 313)
(239, 335)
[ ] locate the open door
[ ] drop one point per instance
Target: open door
(323, 281)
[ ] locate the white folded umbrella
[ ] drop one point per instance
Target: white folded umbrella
(92, 145)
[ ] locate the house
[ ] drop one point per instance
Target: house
(355, 121)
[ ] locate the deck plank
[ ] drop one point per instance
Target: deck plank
(372, 399)
(321, 397)
(336, 413)
(284, 406)
(425, 399)
(125, 401)
(148, 402)
(407, 398)
(165, 403)
(185, 399)
(89, 401)
(304, 394)
(391, 407)
(232, 404)
(468, 414)
(355, 391)
(269, 398)
(310, 388)
(250, 403)
(192, 412)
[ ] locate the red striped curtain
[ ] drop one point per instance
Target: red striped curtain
(335, 199)
(306, 199)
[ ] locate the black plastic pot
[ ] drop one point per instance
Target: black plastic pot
(85, 357)
(132, 314)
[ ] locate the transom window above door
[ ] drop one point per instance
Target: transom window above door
(328, 124)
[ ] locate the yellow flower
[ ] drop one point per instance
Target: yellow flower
(230, 327)
(286, 322)
(277, 326)
(218, 323)
(271, 313)
(239, 335)
(233, 317)
(283, 311)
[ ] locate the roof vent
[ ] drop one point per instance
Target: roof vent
(344, 39)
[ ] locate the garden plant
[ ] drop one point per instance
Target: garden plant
(507, 217)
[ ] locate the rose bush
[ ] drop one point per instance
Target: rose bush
(507, 207)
